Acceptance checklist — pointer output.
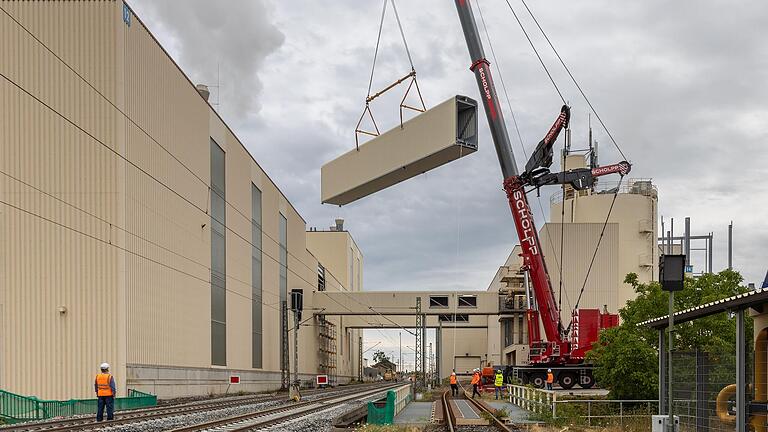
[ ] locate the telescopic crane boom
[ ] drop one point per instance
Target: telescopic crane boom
(558, 348)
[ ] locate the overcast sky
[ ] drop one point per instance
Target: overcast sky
(681, 85)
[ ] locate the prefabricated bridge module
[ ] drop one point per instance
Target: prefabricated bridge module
(433, 138)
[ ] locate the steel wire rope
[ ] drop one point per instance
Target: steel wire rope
(562, 62)
(519, 136)
(607, 131)
(597, 247)
(525, 32)
(204, 183)
(376, 51)
(402, 34)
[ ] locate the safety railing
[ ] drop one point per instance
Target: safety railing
(531, 399)
(16, 408)
(634, 186)
(545, 402)
(384, 412)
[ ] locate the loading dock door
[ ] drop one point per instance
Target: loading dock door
(465, 364)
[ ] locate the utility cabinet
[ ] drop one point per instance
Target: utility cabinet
(660, 423)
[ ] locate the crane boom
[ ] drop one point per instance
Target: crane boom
(513, 184)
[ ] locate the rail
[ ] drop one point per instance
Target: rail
(448, 415)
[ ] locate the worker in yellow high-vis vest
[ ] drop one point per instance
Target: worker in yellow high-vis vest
(104, 385)
(498, 383)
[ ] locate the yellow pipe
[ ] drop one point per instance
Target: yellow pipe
(721, 405)
(758, 421)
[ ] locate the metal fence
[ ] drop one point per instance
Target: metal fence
(15, 408)
(584, 411)
(704, 389)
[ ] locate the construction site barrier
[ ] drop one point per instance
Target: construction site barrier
(15, 408)
(384, 412)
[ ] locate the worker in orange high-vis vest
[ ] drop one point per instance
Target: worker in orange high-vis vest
(475, 382)
(454, 384)
(104, 385)
(550, 379)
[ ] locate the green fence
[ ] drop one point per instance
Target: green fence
(16, 408)
(384, 412)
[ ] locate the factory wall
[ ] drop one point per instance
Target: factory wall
(60, 275)
(636, 216)
(105, 220)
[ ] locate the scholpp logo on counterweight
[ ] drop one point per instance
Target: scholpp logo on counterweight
(529, 236)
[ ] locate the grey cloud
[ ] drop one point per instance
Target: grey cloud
(226, 37)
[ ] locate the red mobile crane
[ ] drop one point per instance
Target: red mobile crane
(563, 350)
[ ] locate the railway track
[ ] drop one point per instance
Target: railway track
(266, 418)
(148, 414)
(450, 415)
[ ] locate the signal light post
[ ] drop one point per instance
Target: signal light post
(671, 276)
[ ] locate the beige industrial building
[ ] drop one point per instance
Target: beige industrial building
(136, 228)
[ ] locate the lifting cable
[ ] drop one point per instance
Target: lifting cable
(411, 75)
(607, 131)
(597, 247)
(536, 52)
(517, 131)
(562, 62)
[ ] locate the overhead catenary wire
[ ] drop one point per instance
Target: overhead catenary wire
(497, 66)
(575, 82)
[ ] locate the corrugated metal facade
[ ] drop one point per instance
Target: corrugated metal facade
(579, 242)
(57, 136)
(113, 227)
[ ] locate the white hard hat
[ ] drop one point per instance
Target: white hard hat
(453, 373)
(105, 366)
(549, 370)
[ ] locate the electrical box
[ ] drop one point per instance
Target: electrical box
(433, 138)
(297, 301)
(660, 423)
(672, 272)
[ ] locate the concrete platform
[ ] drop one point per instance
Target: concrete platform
(415, 413)
(515, 413)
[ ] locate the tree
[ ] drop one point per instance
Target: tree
(626, 357)
(379, 356)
